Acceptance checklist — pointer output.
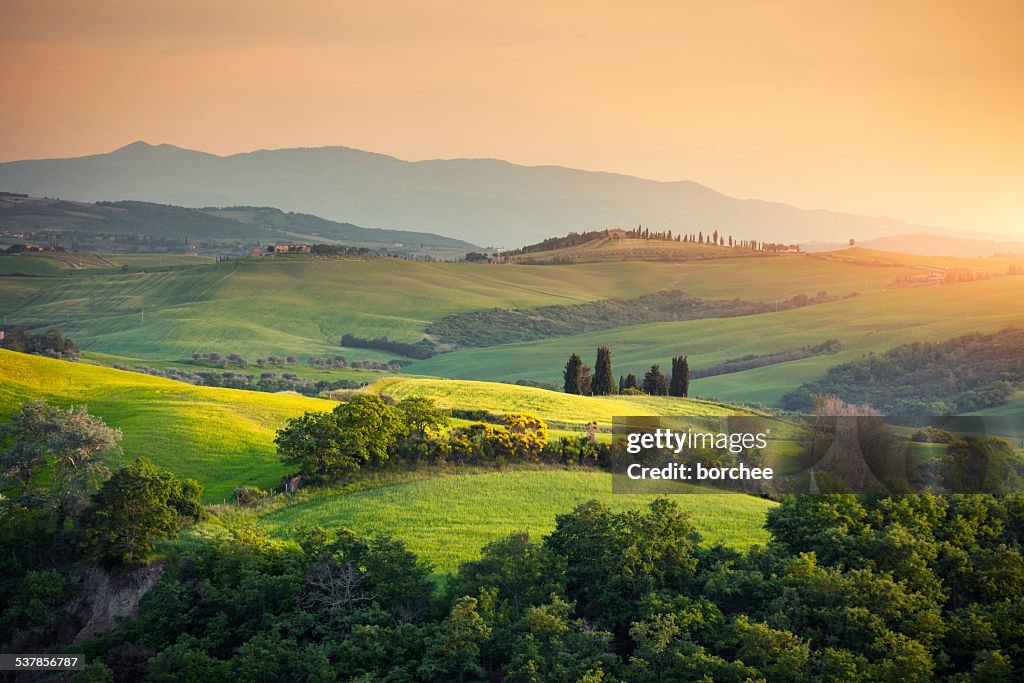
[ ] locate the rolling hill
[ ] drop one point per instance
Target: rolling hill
(449, 518)
(302, 306)
(484, 201)
(297, 305)
(247, 223)
(223, 438)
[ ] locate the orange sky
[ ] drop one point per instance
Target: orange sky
(909, 109)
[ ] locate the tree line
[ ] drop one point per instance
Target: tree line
(960, 375)
(420, 350)
(711, 238)
(52, 343)
(851, 588)
(495, 326)
(578, 379)
(370, 433)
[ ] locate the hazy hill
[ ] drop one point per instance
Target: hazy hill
(484, 201)
(163, 220)
(930, 244)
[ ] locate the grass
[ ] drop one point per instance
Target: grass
(995, 265)
(156, 260)
(606, 249)
(448, 519)
(221, 437)
(30, 265)
(301, 305)
(548, 405)
(224, 437)
(870, 322)
(300, 368)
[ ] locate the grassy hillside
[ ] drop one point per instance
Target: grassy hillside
(549, 405)
(871, 322)
(224, 437)
(994, 265)
(220, 437)
(303, 305)
(30, 265)
(448, 519)
(605, 249)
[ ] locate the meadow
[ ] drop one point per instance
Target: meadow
(548, 405)
(30, 265)
(223, 438)
(873, 321)
(448, 518)
(300, 305)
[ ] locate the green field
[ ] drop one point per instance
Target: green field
(30, 265)
(301, 306)
(870, 322)
(221, 437)
(156, 260)
(224, 437)
(548, 405)
(447, 519)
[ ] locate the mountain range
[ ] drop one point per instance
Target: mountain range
(482, 201)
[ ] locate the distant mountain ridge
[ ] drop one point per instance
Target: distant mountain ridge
(249, 223)
(483, 201)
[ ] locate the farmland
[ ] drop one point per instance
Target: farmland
(304, 305)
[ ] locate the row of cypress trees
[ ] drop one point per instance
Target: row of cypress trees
(579, 380)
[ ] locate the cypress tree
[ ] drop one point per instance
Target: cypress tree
(603, 382)
(572, 374)
(586, 381)
(655, 383)
(622, 383)
(632, 382)
(680, 383)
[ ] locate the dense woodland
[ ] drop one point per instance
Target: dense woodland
(960, 375)
(496, 326)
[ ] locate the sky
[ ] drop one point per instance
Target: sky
(906, 109)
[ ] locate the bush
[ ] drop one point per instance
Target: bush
(932, 435)
(248, 495)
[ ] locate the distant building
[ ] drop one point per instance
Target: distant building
(617, 234)
(289, 248)
(255, 252)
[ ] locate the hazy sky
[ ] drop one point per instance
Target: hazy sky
(909, 109)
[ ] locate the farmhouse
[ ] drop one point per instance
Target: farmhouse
(289, 248)
(617, 234)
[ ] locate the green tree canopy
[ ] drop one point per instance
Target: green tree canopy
(137, 507)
